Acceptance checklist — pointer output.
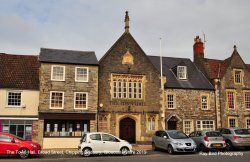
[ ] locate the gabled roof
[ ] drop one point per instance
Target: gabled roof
(218, 68)
(119, 40)
(248, 66)
(68, 56)
(196, 79)
(19, 71)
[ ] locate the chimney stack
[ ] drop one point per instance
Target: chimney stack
(198, 47)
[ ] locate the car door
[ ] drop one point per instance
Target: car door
(156, 139)
(164, 140)
(110, 143)
(8, 145)
(193, 136)
(96, 142)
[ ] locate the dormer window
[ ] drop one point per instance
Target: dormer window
(182, 72)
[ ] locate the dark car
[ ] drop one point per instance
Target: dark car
(12, 145)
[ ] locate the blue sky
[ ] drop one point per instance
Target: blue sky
(94, 25)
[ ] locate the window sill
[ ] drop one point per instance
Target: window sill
(14, 107)
(56, 108)
(57, 80)
(79, 81)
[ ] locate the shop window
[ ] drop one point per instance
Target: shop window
(65, 128)
(19, 128)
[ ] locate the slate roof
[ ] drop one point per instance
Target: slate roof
(19, 71)
(196, 79)
(68, 56)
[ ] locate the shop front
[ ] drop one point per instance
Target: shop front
(64, 130)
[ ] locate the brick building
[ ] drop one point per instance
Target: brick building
(19, 95)
(189, 96)
(231, 79)
(68, 96)
(130, 93)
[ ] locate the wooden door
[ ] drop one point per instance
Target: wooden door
(127, 130)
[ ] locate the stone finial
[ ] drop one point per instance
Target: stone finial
(126, 22)
(235, 48)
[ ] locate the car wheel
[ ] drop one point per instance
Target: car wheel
(23, 153)
(86, 152)
(203, 148)
(154, 148)
(170, 149)
(229, 146)
(124, 151)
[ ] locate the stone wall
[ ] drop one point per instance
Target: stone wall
(110, 64)
(227, 83)
(69, 86)
(188, 106)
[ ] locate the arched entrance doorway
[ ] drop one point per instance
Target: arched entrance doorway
(172, 123)
(127, 130)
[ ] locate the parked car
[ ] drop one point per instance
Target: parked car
(173, 141)
(99, 142)
(12, 145)
(208, 140)
(235, 137)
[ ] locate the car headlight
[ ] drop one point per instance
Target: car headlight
(35, 146)
(178, 144)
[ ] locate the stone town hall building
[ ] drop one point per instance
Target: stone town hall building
(129, 91)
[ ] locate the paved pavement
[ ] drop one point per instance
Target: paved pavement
(142, 153)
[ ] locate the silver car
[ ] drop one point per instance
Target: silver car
(208, 140)
(173, 141)
(236, 137)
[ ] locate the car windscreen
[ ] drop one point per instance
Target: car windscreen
(178, 135)
(213, 134)
(242, 131)
(83, 139)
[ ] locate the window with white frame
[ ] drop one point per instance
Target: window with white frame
(81, 99)
(248, 123)
(58, 73)
(232, 122)
(56, 100)
(127, 86)
(188, 126)
(204, 102)
(151, 123)
(14, 99)
(205, 125)
(182, 72)
(247, 100)
(238, 76)
(81, 74)
(230, 99)
(170, 101)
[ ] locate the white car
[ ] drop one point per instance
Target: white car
(99, 142)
